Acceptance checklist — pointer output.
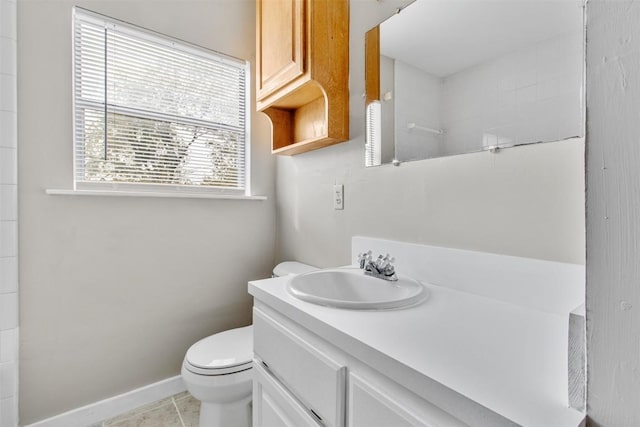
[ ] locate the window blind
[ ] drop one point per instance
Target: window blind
(153, 112)
(373, 143)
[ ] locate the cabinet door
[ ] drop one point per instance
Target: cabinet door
(311, 373)
(374, 406)
(273, 405)
(281, 40)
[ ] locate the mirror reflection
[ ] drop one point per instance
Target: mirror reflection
(447, 77)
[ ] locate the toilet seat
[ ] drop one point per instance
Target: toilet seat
(218, 371)
(223, 353)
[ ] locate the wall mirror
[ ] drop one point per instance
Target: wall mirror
(447, 77)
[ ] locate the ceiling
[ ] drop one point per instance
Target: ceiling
(443, 37)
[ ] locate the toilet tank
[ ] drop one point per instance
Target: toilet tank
(287, 268)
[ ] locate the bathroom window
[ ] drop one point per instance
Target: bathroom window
(154, 113)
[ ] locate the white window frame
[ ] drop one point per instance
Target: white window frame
(163, 189)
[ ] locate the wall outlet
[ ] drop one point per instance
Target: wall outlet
(338, 197)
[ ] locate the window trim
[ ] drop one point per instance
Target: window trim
(161, 190)
(171, 195)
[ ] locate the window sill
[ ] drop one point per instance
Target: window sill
(176, 195)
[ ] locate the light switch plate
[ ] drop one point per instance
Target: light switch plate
(338, 197)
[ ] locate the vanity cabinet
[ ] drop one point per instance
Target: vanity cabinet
(314, 377)
(302, 380)
(375, 401)
(302, 72)
(273, 405)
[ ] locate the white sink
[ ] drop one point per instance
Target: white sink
(350, 288)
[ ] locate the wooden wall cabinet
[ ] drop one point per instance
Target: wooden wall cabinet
(302, 72)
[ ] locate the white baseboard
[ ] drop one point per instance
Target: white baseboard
(108, 408)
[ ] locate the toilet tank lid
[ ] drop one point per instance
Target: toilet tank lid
(291, 267)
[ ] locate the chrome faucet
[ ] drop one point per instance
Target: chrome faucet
(381, 268)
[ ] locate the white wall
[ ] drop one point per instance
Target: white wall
(531, 95)
(526, 201)
(114, 290)
(8, 218)
(418, 100)
(613, 212)
(387, 78)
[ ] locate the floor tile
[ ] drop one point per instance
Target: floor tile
(189, 408)
(159, 414)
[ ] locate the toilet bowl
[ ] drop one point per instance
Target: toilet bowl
(217, 370)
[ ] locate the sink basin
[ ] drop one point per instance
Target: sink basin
(350, 288)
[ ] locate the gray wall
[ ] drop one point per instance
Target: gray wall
(525, 201)
(613, 212)
(114, 290)
(8, 218)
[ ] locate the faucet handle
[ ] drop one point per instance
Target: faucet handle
(363, 258)
(382, 267)
(386, 261)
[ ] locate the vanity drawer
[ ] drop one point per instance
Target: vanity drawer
(274, 406)
(314, 378)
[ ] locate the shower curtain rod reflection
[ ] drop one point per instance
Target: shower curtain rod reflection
(412, 125)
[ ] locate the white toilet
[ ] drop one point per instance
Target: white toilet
(217, 369)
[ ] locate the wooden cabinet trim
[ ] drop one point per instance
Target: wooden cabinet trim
(290, 64)
(308, 108)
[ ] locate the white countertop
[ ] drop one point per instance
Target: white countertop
(504, 357)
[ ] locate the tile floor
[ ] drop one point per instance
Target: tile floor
(181, 410)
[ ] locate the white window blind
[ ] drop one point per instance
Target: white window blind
(373, 143)
(154, 113)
